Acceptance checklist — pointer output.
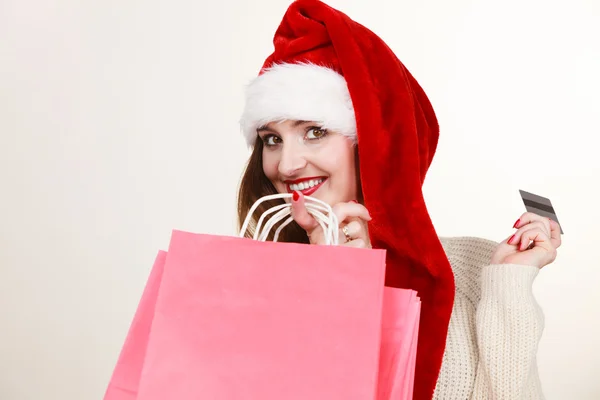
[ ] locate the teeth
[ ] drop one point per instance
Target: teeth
(305, 185)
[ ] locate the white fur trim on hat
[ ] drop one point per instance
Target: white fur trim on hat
(306, 92)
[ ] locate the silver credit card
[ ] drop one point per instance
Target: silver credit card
(539, 205)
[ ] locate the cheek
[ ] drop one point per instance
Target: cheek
(339, 161)
(269, 164)
(348, 169)
(343, 162)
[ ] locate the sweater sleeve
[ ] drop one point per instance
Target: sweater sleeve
(509, 325)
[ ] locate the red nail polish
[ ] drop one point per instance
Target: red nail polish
(354, 201)
(295, 196)
(511, 238)
(517, 223)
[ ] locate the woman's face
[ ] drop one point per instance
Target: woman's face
(299, 155)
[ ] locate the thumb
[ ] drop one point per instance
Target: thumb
(301, 214)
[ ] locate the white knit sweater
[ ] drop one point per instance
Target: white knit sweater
(494, 329)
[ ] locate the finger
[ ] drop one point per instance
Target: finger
(536, 237)
(516, 238)
(344, 211)
(509, 240)
(540, 240)
(529, 217)
(354, 229)
(301, 214)
(555, 236)
(532, 225)
(358, 243)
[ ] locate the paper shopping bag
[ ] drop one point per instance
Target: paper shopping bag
(400, 322)
(242, 319)
(125, 379)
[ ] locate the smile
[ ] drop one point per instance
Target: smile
(307, 185)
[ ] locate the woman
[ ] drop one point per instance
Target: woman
(335, 115)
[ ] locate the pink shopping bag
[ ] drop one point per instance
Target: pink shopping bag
(237, 318)
(229, 323)
(126, 374)
(398, 349)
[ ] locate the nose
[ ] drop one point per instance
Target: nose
(292, 160)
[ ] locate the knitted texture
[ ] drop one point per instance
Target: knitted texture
(494, 330)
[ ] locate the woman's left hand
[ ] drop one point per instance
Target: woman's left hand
(534, 243)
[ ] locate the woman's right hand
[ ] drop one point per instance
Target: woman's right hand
(352, 216)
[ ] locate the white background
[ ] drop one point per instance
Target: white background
(118, 123)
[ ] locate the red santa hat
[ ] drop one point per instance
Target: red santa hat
(328, 68)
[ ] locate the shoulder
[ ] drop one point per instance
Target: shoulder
(468, 249)
(468, 256)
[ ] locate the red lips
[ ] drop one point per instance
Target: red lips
(307, 191)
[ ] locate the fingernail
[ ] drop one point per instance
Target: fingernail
(295, 196)
(511, 238)
(517, 223)
(354, 201)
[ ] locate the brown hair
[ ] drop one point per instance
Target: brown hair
(255, 184)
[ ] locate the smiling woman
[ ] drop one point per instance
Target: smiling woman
(299, 156)
(296, 156)
(332, 89)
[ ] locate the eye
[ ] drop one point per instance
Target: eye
(271, 140)
(315, 133)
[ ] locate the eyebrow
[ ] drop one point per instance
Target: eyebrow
(295, 124)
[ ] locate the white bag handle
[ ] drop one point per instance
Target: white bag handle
(322, 212)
